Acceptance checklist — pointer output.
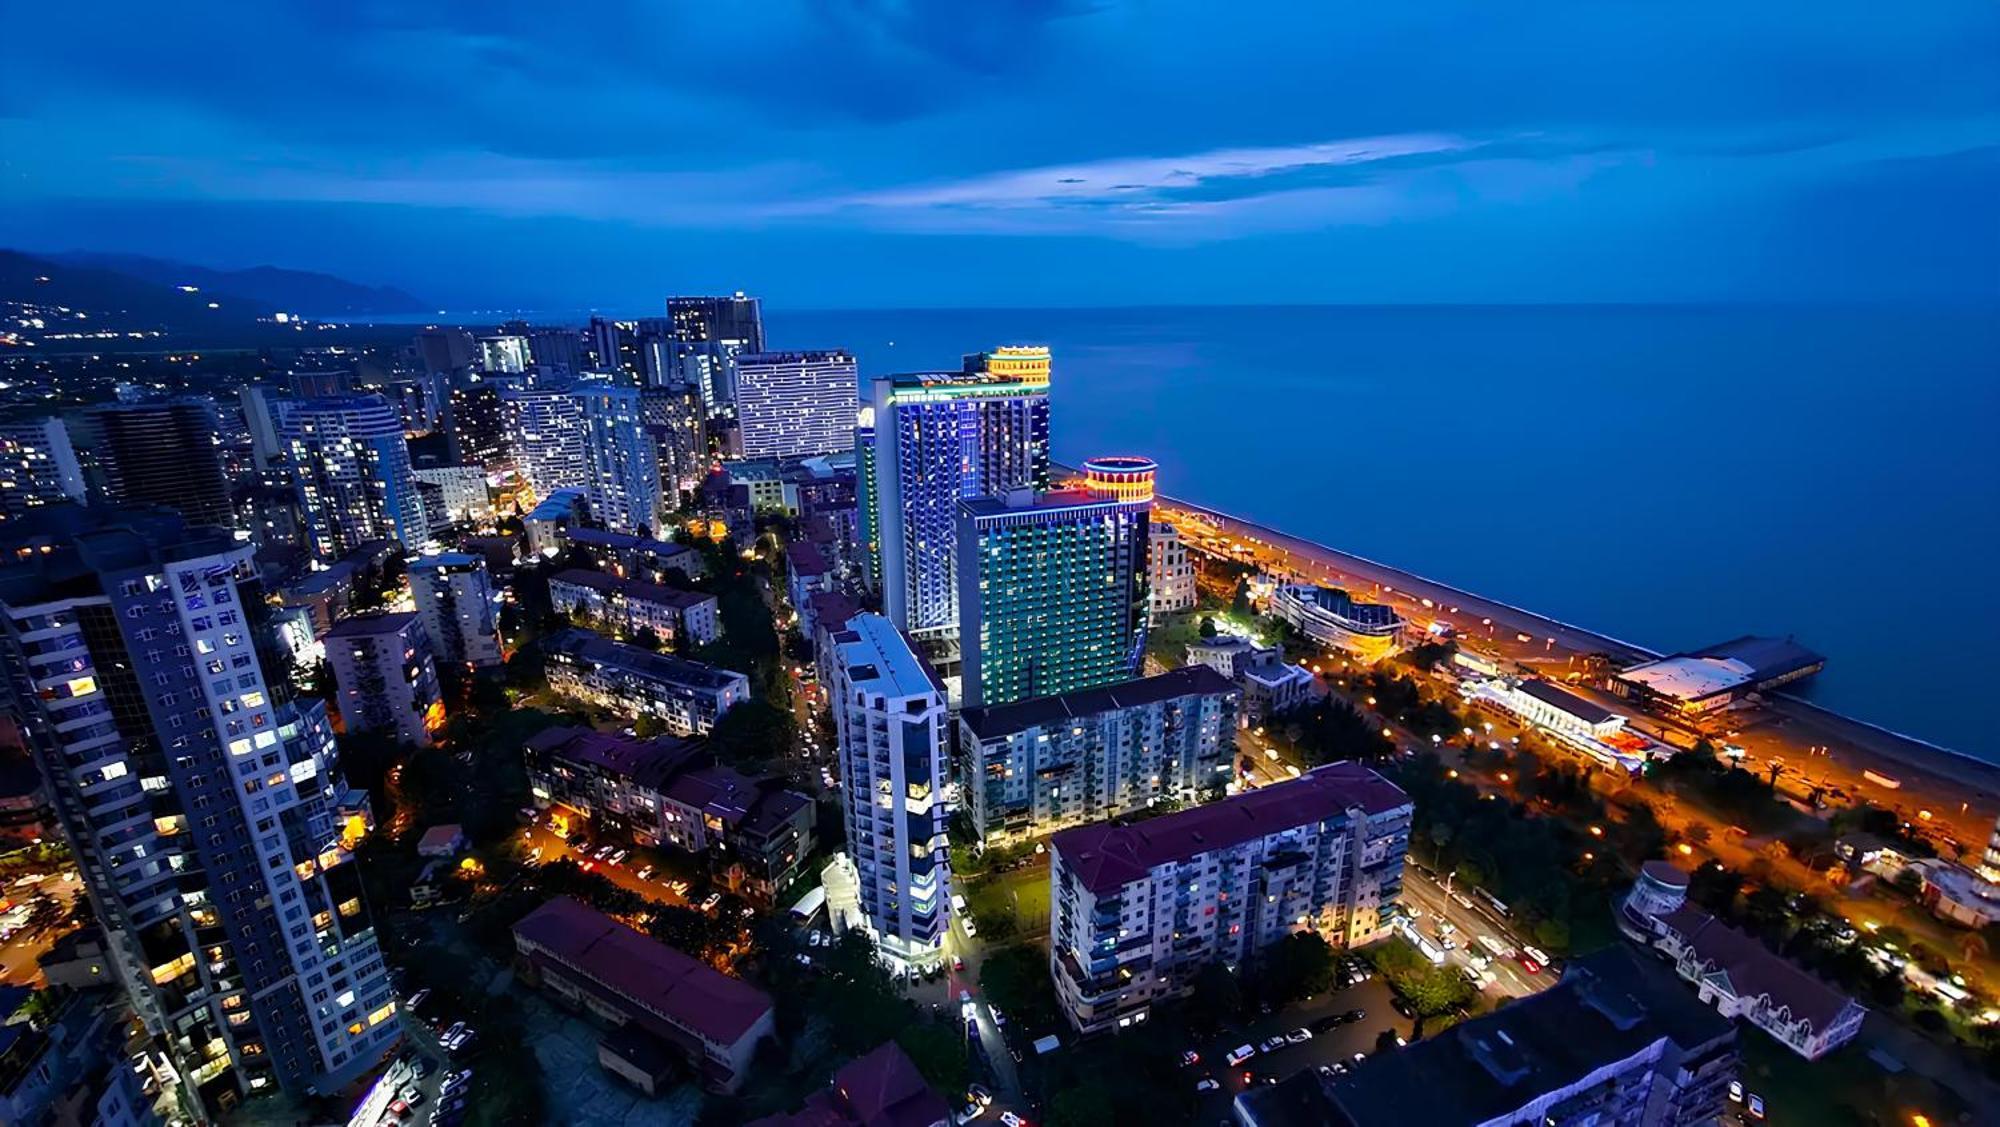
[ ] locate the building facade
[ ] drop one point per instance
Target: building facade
(37, 467)
(1136, 910)
(939, 439)
(678, 618)
(687, 697)
(385, 676)
(476, 426)
(1052, 586)
(735, 318)
(1169, 572)
(161, 453)
(795, 404)
(455, 597)
(1338, 621)
(889, 710)
(1035, 766)
(200, 801)
(545, 432)
(463, 492)
(355, 479)
(622, 462)
(678, 424)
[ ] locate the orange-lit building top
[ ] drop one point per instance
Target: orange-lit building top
(1123, 478)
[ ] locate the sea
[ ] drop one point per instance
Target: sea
(1671, 476)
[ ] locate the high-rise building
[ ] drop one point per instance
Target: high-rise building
(1135, 910)
(1052, 586)
(622, 464)
(679, 425)
(614, 345)
(1039, 765)
(476, 425)
(940, 438)
(455, 596)
(385, 676)
(353, 467)
(559, 352)
(736, 318)
(889, 708)
(545, 431)
(504, 354)
(710, 365)
(263, 415)
(37, 467)
(867, 501)
(1169, 572)
(199, 799)
(795, 404)
(161, 452)
(446, 352)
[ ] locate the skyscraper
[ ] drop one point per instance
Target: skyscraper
(613, 347)
(889, 709)
(679, 426)
(37, 467)
(263, 415)
(940, 438)
(445, 352)
(455, 596)
(476, 426)
(622, 471)
(559, 351)
(795, 404)
(161, 452)
(199, 799)
(1052, 586)
(504, 354)
(545, 432)
(353, 468)
(736, 318)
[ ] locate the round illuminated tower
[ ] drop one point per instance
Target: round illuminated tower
(1123, 478)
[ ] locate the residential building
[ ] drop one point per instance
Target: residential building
(385, 677)
(756, 833)
(1138, 909)
(1169, 572)
(455, 597)
(613, 345)
(807, 573)
(1271, 685)
(889, 710)
(1047, 763)
(795, 404)
(635, 557)
(37, 467)
(546, 434)
(160, 452)
(881, 1088)
(734, 318)
(941, 438)
(1338, 621)
(624, 980)
(476, 423)
(559, 352)
(263, 417)
(551, 520)
(446, 352)
(622, 468)
(505, 354)
(355, 479)
(678, 424)
(1052, 586)
(678, 618)
(131, 644)
(1733, 970)
(66, 1066)
(1616, 1043)
(466, 498)
(688, 697)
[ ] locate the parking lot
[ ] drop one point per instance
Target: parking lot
(1336, 1045)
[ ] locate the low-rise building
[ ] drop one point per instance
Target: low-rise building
(1701, 681)
(384, 677)
(1338, 621)
(1039, 765)
(628, 606)
(1169, 572)
(1270, 684)
(688, 697)
(1583, 725)
(1733, 971)
(635, 557)
(1616, 1042)
(756, 833)
(807, 573)
(881, 1088)
(628, 981)
(1137, 909)
(547, 522)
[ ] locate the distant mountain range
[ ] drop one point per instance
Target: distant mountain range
(293, 291)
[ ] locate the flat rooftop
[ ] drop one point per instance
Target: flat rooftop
(1000, 721)
(1556, 697)
(879, 659)
(372, 625)
(1688, 677)
(586, 645)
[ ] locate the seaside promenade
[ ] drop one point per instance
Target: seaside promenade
(1950, 797)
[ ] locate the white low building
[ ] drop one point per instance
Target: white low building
(1588, 727)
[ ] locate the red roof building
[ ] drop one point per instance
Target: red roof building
(880, 1089)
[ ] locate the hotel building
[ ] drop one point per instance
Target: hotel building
(1169, 572)
(1337, 621)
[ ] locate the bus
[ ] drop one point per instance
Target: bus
(1493, 947)
(1494, 903)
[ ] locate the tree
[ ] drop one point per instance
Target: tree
(1016, 979)
(1297, 966)
(754, 732)
(1207, 628)
(1239, 603)
(1215, 1000)
(1088, 1104)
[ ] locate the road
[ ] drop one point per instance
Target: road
(538, 836)
(1509, 978)
(19, 955)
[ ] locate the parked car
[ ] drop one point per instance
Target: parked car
(457, 1027)
(710, 901)
(1012, 1120)
(618, 858)
(1190, 1058)
(980, 1095)
(645, 873)
(1206, 1084)
(1271, 1044)
(417, 999)
(1241, 1053)
(1299, 1036)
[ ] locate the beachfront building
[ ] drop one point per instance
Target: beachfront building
(635, 984)
(353, 468)
(1338, 621)
(628, 606)
(938, 439)
(1733, 970)
(1138, 909)
(1702, 681)
(1052, 586)
(889, 708)
(687, 697)
(795, 404)
(1169, 572)
(1271, 686)
(385, 677)
(1035, 766)
(455, 596)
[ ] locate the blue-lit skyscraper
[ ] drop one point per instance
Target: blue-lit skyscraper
(938, 439)
(354, 475)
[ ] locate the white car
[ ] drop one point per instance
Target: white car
(708, 904)
(1207, 1084)
(618, 857)
(1271, 1044)
(1299, 1036)
(1012, 1120)
(417, 999)
(1241, 1053)
(644, 873)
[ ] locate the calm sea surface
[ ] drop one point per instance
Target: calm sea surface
(1671, 476)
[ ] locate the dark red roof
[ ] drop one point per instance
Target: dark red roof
(651, 763)
(805, 558)
(1106, 856)
(1754, 969)
(645, 971)
(831, 610)
(880, 1089)
(637, 589)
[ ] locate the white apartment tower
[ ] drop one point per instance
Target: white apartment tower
(455, 597)
(796, 404)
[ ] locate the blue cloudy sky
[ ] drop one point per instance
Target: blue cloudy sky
(952, 152)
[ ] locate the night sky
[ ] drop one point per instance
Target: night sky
(849, 153)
